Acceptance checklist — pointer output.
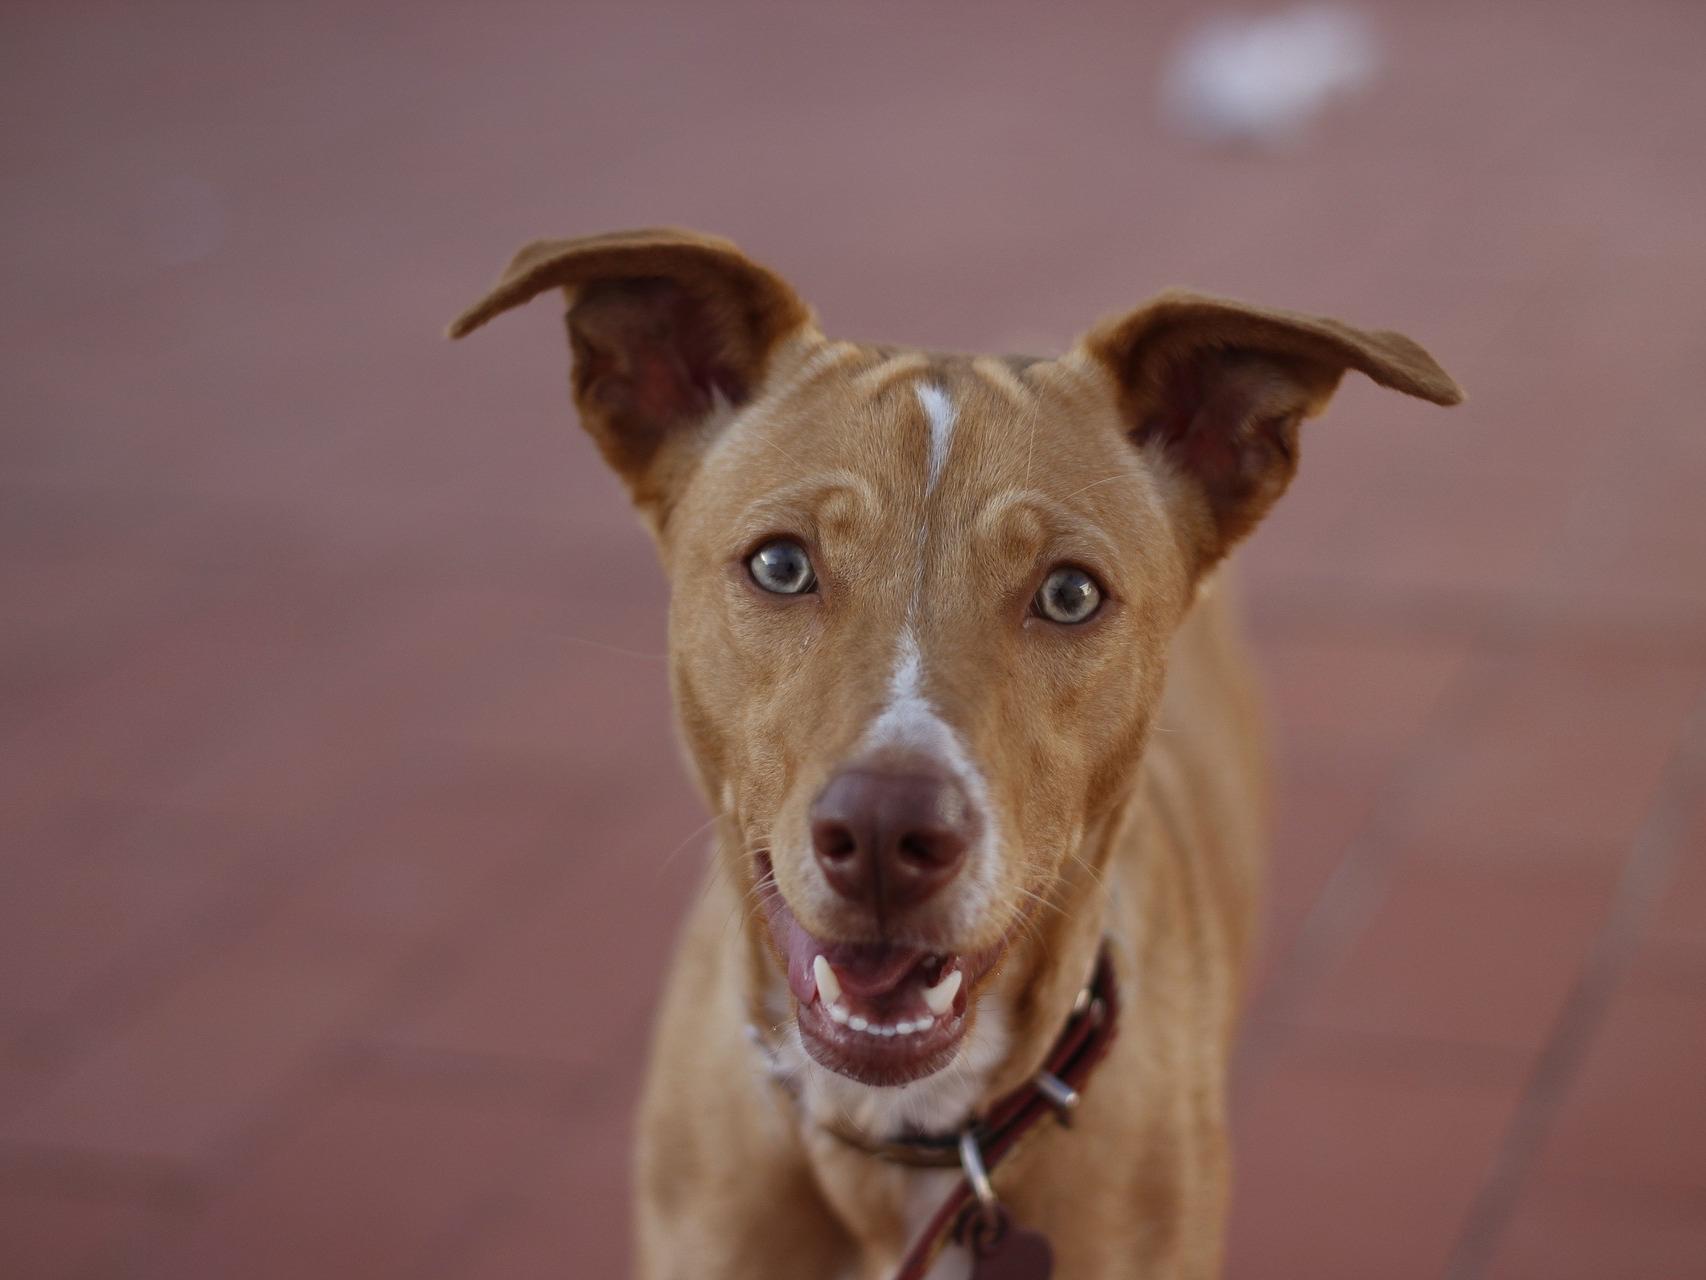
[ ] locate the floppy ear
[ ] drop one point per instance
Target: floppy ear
(666, 327)
(1218, 388)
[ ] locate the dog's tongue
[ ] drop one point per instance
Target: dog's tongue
(866, 969)
(872, 969)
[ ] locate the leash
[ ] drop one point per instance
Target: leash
(972, 1216)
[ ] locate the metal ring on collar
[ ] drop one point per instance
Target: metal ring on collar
(971, 1160)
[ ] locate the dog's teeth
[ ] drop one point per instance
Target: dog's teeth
(886, 1031)
(838, 1013)
(828, 985)
(857, 1023)
(923, 1024)
(940, 997)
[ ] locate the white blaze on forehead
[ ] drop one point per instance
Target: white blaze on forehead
(940, 412)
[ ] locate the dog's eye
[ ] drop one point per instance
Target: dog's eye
(1068, 596)
(782, 567)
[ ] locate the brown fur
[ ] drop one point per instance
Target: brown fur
(1142, 455)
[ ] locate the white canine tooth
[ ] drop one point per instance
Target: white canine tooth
(940, 997)
(828, 985)
(838, 1013)
(857, 1022)
(924, 1024)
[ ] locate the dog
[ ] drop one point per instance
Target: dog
(954, 660)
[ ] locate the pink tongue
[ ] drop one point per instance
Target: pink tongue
(871, 970)
(865, 969)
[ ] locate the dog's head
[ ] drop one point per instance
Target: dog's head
(921, 604)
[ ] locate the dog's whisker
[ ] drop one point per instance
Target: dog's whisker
(1031, 437)
(754, 895)
(764, 439)
(1097, 875)
(690, 838)
(612, 648)
(1094, 484)
(1042, 901)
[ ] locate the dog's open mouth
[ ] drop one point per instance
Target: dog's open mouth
(881, 1013)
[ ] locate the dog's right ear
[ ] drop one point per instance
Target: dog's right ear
(666, 327)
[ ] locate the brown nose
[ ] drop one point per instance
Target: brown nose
(890, 839)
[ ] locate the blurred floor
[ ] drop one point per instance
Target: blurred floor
(341, 829)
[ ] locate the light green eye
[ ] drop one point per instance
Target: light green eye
(1068, 596)
(782, 567)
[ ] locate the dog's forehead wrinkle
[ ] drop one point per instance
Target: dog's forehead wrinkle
(819, 360)
(832, 394)
(935, 439)
(1007, 377)
(839, 500)
(872, 381)
(1031, 517)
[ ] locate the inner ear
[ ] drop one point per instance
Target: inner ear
(649, 359)
(1229, 419)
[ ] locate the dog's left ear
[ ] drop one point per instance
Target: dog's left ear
(1218, 388)
(665, 328)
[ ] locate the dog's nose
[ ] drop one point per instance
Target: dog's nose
(890, 839)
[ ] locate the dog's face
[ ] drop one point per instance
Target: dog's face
(919, 620)
(921, 604)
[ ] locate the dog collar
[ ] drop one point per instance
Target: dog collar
(972, 1215)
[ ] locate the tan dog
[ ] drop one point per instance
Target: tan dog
(931, 615)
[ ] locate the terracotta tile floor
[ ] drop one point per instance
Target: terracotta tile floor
(337, 789)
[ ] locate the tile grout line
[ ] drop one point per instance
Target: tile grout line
(1639, 889)
(1353, 891)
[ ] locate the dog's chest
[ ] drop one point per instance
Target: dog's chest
(925, 1193)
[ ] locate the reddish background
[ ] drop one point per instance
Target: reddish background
(341, 829)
